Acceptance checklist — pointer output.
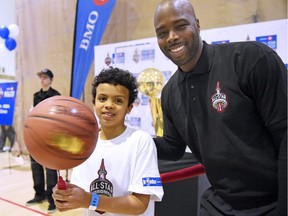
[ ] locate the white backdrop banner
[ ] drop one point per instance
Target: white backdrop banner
(137, 55)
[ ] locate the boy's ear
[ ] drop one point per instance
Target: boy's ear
(129, 109)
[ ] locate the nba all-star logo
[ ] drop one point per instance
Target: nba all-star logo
(101, 185)
(219, 100)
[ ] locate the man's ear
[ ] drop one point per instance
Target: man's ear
(198, 24)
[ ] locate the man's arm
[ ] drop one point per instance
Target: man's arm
(269, 84)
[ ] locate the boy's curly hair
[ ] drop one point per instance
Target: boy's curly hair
(116, 76)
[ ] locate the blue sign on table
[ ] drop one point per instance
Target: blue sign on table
(7, 102)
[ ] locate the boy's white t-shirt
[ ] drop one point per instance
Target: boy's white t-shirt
(121, 166)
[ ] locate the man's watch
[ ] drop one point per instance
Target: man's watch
(94, 202)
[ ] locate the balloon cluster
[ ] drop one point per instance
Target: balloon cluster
(8, 34)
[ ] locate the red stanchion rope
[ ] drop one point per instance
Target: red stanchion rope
(182, 174)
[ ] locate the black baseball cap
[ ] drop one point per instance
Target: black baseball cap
(47, 72)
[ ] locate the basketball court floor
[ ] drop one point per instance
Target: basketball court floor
(16, 188)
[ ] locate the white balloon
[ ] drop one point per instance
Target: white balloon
(13, 30)
(3, 50)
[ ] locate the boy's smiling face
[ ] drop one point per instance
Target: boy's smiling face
(111, 105)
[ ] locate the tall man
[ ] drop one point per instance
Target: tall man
(46, 91)
(228, 104)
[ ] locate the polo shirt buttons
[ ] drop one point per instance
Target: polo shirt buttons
(193, 87)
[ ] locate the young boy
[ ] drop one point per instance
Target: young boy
(121, 176)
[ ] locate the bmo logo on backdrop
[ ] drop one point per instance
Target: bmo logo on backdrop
(100, 2)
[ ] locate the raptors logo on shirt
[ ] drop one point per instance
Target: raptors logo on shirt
(219, 100)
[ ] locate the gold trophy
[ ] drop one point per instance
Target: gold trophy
(150, 83)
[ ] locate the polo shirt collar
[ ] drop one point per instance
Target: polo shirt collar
(203, 65)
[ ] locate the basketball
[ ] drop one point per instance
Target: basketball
(60, 132)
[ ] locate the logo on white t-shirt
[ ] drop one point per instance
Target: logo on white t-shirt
(151, 181)
(101, 185)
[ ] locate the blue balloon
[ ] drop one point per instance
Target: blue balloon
(10, 43)
(4, 32)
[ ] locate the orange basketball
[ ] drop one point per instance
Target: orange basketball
(61, 132)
